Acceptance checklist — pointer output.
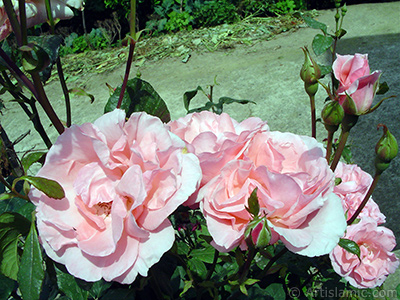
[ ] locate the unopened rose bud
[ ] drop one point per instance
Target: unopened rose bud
(264, 236)
(332, 114)
(310, 71)
(386, 149)
(344, 10)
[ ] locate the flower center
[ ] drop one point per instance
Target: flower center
(103, 208)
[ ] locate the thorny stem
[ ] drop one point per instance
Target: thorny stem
(11, 155)
(22, 18)
(246, 267)
(44, 102)
(329, 146)
(9, 8)
(59, 67)
(272, 261)
(127, 70)
(366, 198)
(211, 270)
(313, 117)
(342, 143)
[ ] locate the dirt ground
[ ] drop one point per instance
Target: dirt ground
(268, 73)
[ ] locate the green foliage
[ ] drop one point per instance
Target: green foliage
(139, 96)
(97, 39)
(178, 21)
(212, 13)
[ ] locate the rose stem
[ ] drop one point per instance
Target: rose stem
(366, 198)
(59, 68)
(132, 43)
(313, 117)
(329, 146)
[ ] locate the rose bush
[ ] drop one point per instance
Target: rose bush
(353, 186)
(376, 261)
(215, 139)
(36, 13)
(295, 194)
(122, 179)
(356, 82)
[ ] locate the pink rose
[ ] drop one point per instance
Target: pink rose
(356, 82)
(376, 261)
(122, 179)
(352, 190)
(36, 13)
(215, 139)
(295, 195)
(349, 68)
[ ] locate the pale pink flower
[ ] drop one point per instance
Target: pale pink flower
(352, 189)
(215, 139)
(376, 261)
(36, 13)
(356, 82)
(295, 187)
(122, 179)
(349, 68)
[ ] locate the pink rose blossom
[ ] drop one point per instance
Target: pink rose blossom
(215, 139)
(356, 82)
(36, 13)
(348, 68)
(295, 187)
(352, 190)
(376, 261)
(122, 179)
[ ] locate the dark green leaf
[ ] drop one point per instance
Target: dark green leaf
(186, 287)
(68, 285)
(398, 291)
(321, 43)
(6, 286)
(10, 259)
(139, 96)
(315, 24)
(340, 33)
(207, 106)
(51, 45)
(276, 291)
(28, 160)
(189, 95)
(383, 88)
(325, 69)
(183, 248)
(204, 254)
(253, 205)
(226, 100)
(31, 271)
(5, 196)
(99, 288)
(350, 246)
(113, 294)
(198, 267)
(50, 187)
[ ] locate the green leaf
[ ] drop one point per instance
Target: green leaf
(398, 291)
(81, 92)
(139, 96)
(50, 187)
(383, 88)
(189, 95)
(204, 254)
(7, 285)
(186, 287)
(99, 288)
(315, 24)
(207, 106)
(10, 259)
(253, 204)
(31, 271)
(198, 267)
(51, 45)
(227, 100)
(243, 289)
(340, 33)
(5, 196)
(183, 248)
(276, 291)
(325, 69)
(28, 160)
(68, 285)
(321, 43)
(350, 246)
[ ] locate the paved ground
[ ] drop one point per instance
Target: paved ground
(268, 73)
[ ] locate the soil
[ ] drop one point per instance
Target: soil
(266, 72)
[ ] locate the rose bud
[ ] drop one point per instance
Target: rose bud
(386, 149)
(332, 114)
